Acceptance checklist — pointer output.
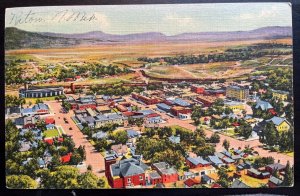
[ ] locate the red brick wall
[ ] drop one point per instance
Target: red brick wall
(169, 178)
(183, 111)
(117, 183)
(135, 180)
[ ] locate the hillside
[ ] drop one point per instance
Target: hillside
(18, 39)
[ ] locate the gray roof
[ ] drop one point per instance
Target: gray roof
(264, 105)
(276, 166)
(164, 168)
(275, 180)
(128, 167)
(255, 171)
(276, 120)
(154, 175)
(197, 160)
(215, 160)
(109, 116)
(239, 184)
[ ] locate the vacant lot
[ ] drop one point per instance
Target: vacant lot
(51, 133)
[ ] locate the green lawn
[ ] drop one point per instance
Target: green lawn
(33, 100)
(51, 133)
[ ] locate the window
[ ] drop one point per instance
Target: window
(128, 180)
(141, 177)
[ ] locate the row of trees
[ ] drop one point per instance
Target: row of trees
(250, 52)
(116, 89)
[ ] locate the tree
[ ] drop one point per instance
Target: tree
(20, 182)
(89, 168)
(64, 177)
(37, 101)
(223, 177)
(75, 158)
(215, 138)
(81, 151)
(245, 131)
(101, 145)
(226, 144)
(269, 134)
(120, 137)
(88, 180)
(288, 179)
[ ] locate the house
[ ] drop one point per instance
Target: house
(187, 175)
(24, 146)
(146, 100)
(281, 95)
(239, 184)
(49, 120)
(26, 121)
(50, 126)
(198, 89)
(99, 135)
(41, 162)
(179, 110)
(189, 183)
(132, 133)
(263, 105)
(163, 107)
(113, 118)
(174, 139)
(125, 173)
(37, 109)
(122, 108)
(235, 105)
(206, 100)
(228, 160)
(216, 185)
(274, 182)
(216, 161)
(181, 102)
(153, 118)
(66, 158)
(168, 174)
(275, 167)
(203, 170)
(257, 174)
(154, 178)
(281, 124)
(196, 162)
(205, 179)
(91, 112)
(103, 109)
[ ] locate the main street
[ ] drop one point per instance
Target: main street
(235, 143)
(93, 158)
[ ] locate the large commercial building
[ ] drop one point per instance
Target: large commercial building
(237, 93)
(39, 92)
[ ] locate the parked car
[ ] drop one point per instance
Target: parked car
(70, 128)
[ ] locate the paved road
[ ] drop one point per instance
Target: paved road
(93, 158)
(233, 142)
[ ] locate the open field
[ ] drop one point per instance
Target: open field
(51, 133)
(119, 52)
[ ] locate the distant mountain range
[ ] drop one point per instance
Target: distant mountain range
(16, 38)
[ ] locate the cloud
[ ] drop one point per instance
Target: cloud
(263, 14)
(173, 18)
(102, 19)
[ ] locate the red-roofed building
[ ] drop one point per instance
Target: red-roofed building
(198, 89)
(49, 120)
(66, 158)
(236, 124)
(49, 141)
(216, 185)
(152, 115)
(146, 100)
(191, 182)
(272, 111)
(122, 108)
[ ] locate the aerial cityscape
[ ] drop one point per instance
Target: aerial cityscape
(149, 96)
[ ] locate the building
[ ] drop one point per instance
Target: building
(39, 92)
(237, 93)
(200, 171)
(154, 178)
(216, 161)
(113, 118)
(239, 184)
(281, 124)
(275, 167)
(198, 89)
(176, 110)
(191, 182)
(263, 105)
(235, 105)
(274, 182)
(153, 119)
(146, 100)
(37, 109)
(207, 100)
(282, 95)
(257, 174)
(164, 107)
(168, 174)
(174, 139)
(196, 162)
(125, 173)
(103, 109)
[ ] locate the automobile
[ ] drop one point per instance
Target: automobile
(70, 128)
(67, 122)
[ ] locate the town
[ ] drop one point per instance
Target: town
(184, 134)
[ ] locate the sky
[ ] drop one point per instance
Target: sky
(169, 19)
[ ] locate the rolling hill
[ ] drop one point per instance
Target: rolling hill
(17, 39)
